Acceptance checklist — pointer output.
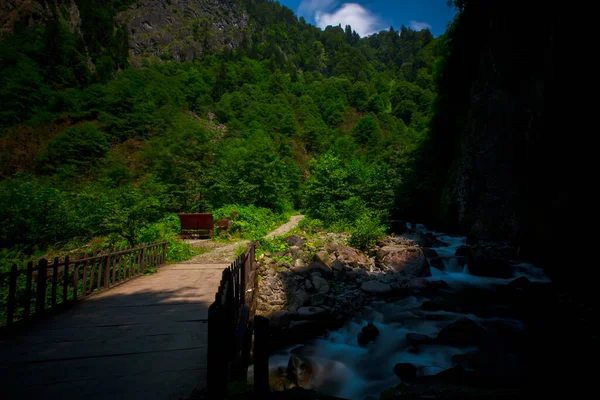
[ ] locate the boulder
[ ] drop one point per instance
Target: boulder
(323, 257)
(376, 287)
(409, 261)
(298, 300)
(300, 370)
(429, 253)
(352, 257)
(308, 286)
(298, 263)
(368, 334)
(317, 299)
(417, 338)
(429, 240)
(320, 284)
(463, 251)
(313, 267)
(462, 333)
(337, 265)
(310, 313)
(294, 240)
(406, 371)
(490, 267)
(281, 319)
(521, 283)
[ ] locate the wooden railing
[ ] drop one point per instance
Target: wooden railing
(52, 285)
(231, 325)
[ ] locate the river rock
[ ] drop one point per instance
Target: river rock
(300, 370)
(406, 371)
(298, 300)
(368, 334)
(429, 240)
(417, 338)
(376, 287)
(323, 257)
(308, 313)
(281, 319)
(429, 253)
(409, 261)
(298, 263)
(462, 333)
(320, 284)
(463, 251)
(352, 257)
(337, 265)
(521, 283)
(308, 285)
(317, 299)
(294, 240)
(316, 266)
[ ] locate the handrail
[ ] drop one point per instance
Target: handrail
(53, 284)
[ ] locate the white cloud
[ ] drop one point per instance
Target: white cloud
(417, 26)
(308, 8)
(363, 21)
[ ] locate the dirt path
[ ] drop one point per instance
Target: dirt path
(225, 252)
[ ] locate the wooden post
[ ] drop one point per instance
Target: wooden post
(54, 280)
(243, 277)
(76, 281)
(40, 299)
(106, 272)
(99, 279)
(28, 281)
(164, 253)
(261, 355)
(217, 363)
(142, 260)
(12, 295)
(66, 280)
(85, 275)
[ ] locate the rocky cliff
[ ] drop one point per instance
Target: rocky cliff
(499, 127)
(183, 29)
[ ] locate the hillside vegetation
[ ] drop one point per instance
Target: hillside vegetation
(99, 146)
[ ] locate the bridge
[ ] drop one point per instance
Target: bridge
(132, 336)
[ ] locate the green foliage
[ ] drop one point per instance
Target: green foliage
(167, 229)
(249, 222)
(367, 229)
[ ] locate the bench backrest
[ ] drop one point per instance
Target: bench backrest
(196, 221)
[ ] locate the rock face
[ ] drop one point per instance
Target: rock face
(300, 370)
(182, 29)
(352, 257)
(407, 260)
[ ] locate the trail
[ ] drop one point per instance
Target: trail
(225, 252)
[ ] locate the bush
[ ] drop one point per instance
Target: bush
(249, 222)
(167, 229)
(368, 228)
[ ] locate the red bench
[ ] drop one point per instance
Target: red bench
(197, 224)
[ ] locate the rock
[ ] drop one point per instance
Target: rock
(268, 261)
(425, 286)
(323, 257)
(337, 265)
(409, 261)
(463, 251)
(437, 262)
(438, 305)
(429, 253)
(490, 267)
(294, 240)
(462, 333)
(376, 287)
(333, 248)
(295, 249)
(298, 263)
(313, 267)
(352, 257)
(317, 299)
(298, 300)
(300, 370)
(429, 240)
(352, 274)
(308, 286)
(368, 334)
(281, 319)
(309, 313)
(320, 284)
(521, 283)
(406, 371)
(453, 376)
(417, 338)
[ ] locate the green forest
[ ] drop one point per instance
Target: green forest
(95, 152)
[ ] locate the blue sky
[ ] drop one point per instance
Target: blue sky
(369, 16)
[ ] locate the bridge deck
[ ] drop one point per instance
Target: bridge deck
(144, 339)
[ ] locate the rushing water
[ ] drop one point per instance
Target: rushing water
(345, 369)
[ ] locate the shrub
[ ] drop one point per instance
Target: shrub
(367, 229)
